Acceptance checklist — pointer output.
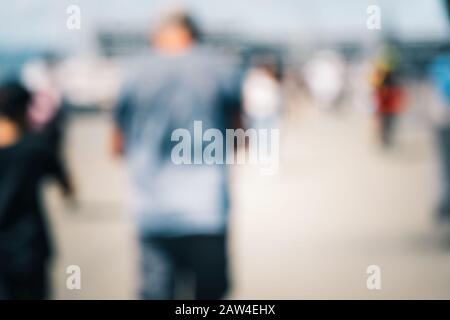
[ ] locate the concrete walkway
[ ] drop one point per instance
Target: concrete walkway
(337, 206)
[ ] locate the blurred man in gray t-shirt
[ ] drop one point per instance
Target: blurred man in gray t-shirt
(180, 209)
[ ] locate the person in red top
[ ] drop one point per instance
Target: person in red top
(389, 98)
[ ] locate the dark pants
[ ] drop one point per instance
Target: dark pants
(24, 282)
(202, 256)
(387, 123)
(443, 140)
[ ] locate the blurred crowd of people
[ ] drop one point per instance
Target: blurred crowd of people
(181, 212)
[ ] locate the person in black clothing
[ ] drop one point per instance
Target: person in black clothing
(25, 160)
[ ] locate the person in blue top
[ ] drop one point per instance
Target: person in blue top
(440, 76)
(181, 210)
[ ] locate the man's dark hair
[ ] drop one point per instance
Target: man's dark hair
(14, 101)
(181, 18)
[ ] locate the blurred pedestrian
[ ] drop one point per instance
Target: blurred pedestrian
(263, 94)
(180, 210)
(389, 99)
(25, 159)
(440, 76)
(325, 77)
(47, 114)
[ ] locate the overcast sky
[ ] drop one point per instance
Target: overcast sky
(42, 23)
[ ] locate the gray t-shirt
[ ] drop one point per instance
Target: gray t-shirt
(164, 93)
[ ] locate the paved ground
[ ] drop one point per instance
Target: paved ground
(338, 205)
